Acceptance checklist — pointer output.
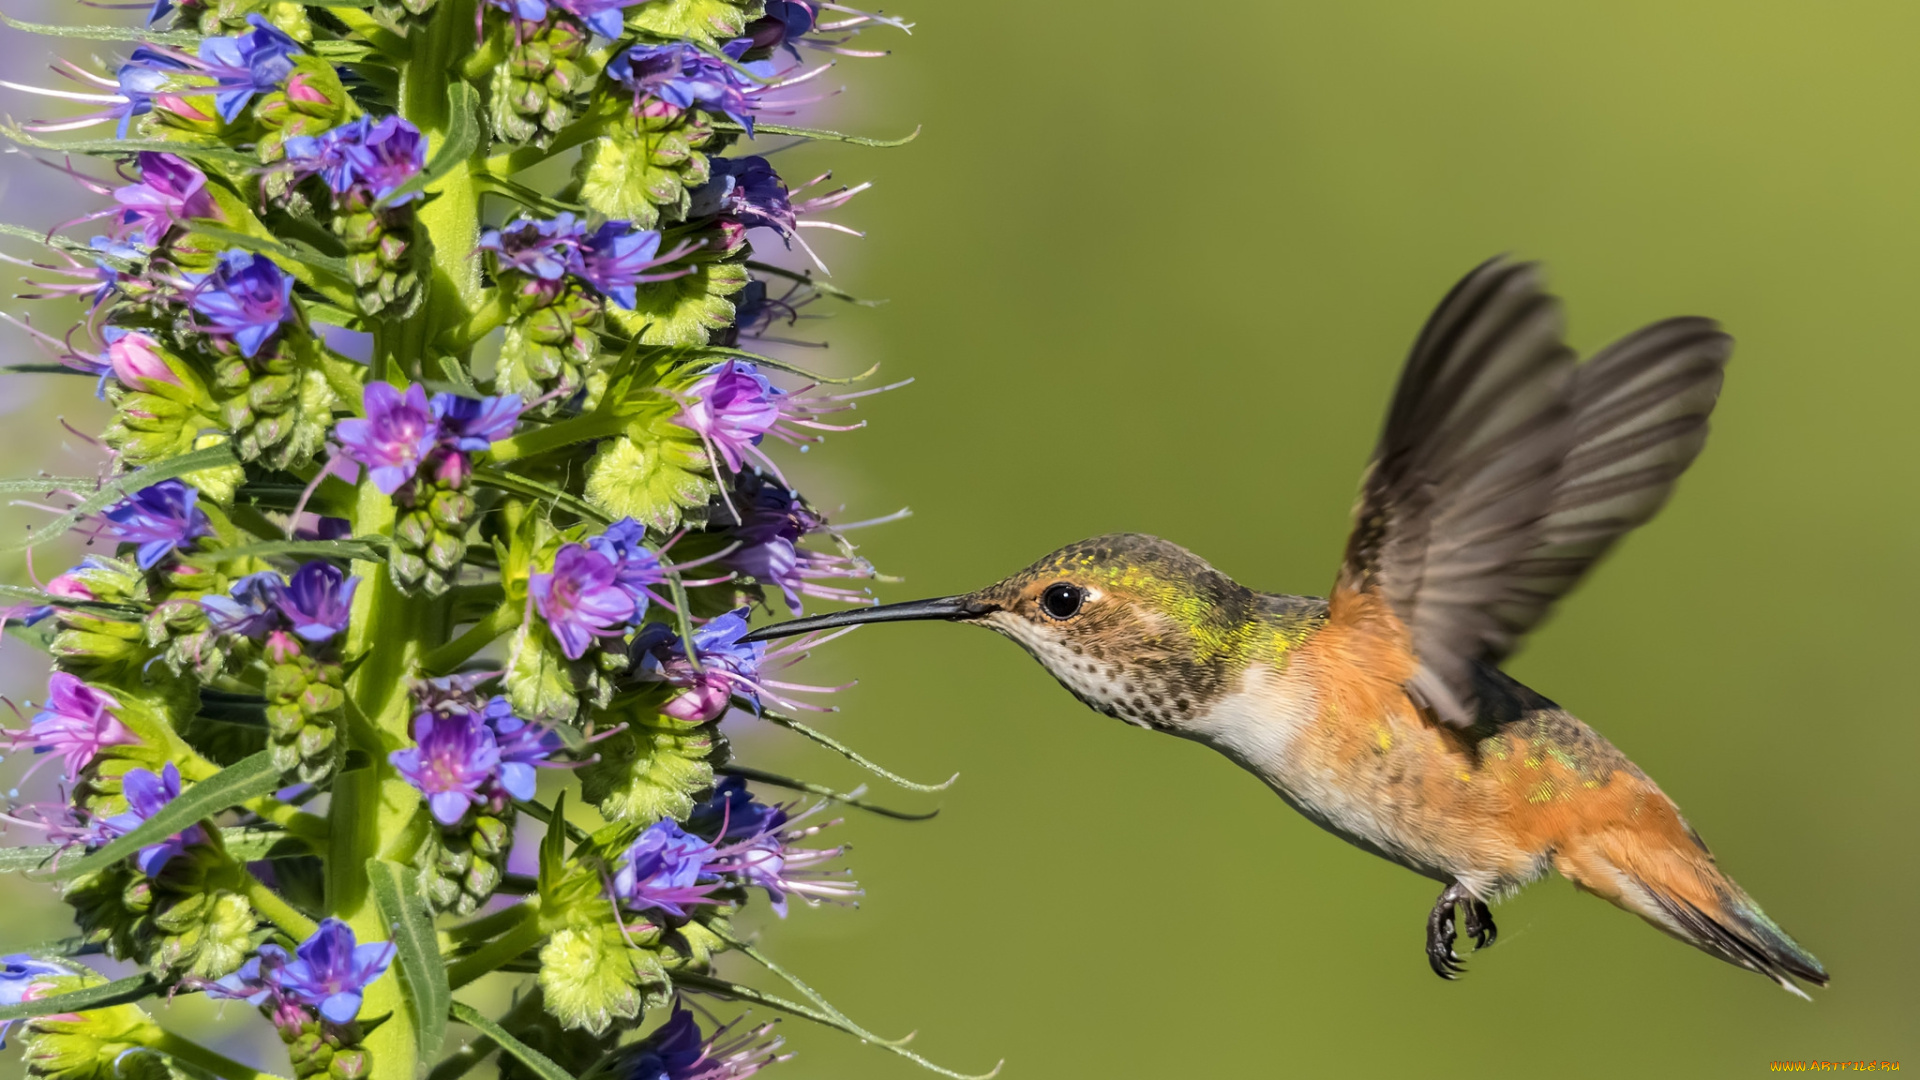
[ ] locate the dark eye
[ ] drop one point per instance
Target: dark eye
(1063, 601)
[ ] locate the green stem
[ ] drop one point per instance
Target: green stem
(501, 620)
(500, 950)
(277, 910)
(185, 1049)
(295, 821)
(491, 925)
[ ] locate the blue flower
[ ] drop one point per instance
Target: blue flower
(250, 609)
(748, 190)
(330, 971)
(665, 870)
(542, 250)
(317, 601)
(146, 793)
(523, 747)
(161, 518)
(616, 257)
(374, 157)
(732, 813)
(680, 75)
(474, 424)
(247, 64)
(245, 297)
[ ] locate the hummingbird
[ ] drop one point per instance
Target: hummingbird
(1506, 469)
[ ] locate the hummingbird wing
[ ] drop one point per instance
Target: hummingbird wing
(1506, 469)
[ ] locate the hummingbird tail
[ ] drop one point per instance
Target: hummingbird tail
(1678, 888)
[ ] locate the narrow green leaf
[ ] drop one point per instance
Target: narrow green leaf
(41, 485)
(782, 720)
(41, 369)
(553, 846)
(456, 146)
(365, 548)
(816, 134)
(848, 798)
(106, 33)
(125, 147)
(396, 892)
(541, 1064)
(212, 457)
(245, 779)
(294, 257)
(245, 844)
(535, 489)
(118, 992)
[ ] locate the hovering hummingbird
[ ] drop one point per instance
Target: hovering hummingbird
(1507, 468)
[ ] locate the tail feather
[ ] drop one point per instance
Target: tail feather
(1740, 933)
(1677, 887)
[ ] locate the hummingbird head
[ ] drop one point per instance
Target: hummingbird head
(1134, 626)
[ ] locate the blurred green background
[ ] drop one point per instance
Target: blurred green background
(1154, 268)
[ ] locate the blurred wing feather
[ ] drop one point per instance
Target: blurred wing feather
(1506, 470)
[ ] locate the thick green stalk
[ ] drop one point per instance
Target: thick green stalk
(500, 950)
(449, 218)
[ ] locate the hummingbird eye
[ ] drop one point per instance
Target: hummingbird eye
(1062, 601)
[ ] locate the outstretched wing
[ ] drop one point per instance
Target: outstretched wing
(1506, 469)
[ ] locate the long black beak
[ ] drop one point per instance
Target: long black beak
(946, 607)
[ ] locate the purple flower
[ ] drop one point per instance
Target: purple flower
(473, 424)
(23, 978)
(368, 156)
(247, 64)
(665, 870)
(317, 601)
(732, 813)
(452, 761)
(728, 666)
(636, 568)
(246, 297)
(74, 724)
(681, 76)
(616, 257)
(759, 850)
(146, 793)
(785, 23)
(747, 190)
(523, 747)
(330, 971)
(170, 191)
(772, 520)
(732, 408)
(394, 438)
(250, 609)
(542, 250)
(581, 599)
(677, 1051)
(161, 518)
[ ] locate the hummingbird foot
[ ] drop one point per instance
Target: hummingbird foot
(1478, 923)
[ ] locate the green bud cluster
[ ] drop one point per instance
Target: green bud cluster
(278, 405)
(327, 1050)
(461, 867)
(306, 698)
(542, 83)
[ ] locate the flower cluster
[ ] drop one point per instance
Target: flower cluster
(432, 506)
